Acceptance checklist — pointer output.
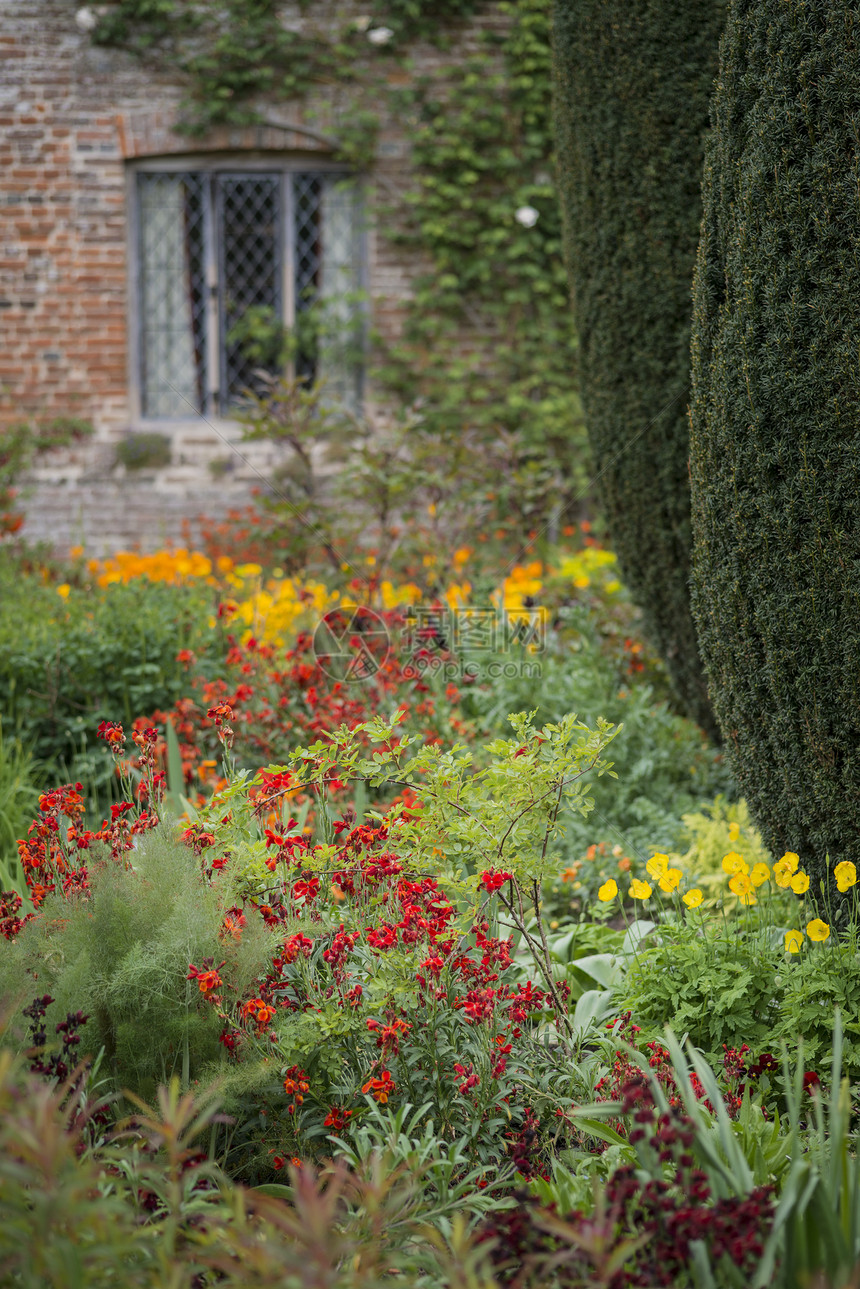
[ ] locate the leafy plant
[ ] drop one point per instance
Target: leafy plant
(122, 956)
(141, 451)
(18, 799)
(67, 664)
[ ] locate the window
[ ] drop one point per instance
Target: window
(215, 243)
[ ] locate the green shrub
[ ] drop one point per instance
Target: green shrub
(19, 797)
(775, 447)
(122, 956)
(664, 766)
(632, 89)
(66, 665)
(144, 451)
(712, 982)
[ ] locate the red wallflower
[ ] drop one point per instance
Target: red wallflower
(493, 881)
(380, 1088)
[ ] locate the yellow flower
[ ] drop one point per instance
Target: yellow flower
(670, 879)
(639, 890)
(759, 874)
(693, 898)
(782, 872)
(800, 883)
(64, 590)
(734, 863)
(791, 859)
(793, 941)
(817, 930)
(734, 831)
(845, 873)
(657, 865)
(608, 891)
(742, 886)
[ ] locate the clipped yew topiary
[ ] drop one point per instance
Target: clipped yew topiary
(776, 420)
(633, 81)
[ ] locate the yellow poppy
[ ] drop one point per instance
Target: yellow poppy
(759, 874)
(817, 930)
(734, 863)
(639, 890)
(657, 865)
(782, 873)
(846, 875)
(734, 831)
(608, 891)
(670, 879)
(800, 883)
(792, 859)
(742, 886)
(793, 941)
(693, 898)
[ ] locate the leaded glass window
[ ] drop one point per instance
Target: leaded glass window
(213, 245)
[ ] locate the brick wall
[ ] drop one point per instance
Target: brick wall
(71, 117)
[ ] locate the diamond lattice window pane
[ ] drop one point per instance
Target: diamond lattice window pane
(172, 294)
(250, 234)
(307, 241)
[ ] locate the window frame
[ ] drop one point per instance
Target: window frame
(227, 162)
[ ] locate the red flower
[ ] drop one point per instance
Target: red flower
(255, 1009)
(113, 734)
(380, 1088)
(337, 1118)
(493, 881)
(208, 980)
(296, 1085)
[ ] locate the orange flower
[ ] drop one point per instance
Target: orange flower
(257, 1010)
(380, 1088)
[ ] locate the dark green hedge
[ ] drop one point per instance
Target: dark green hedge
(633, 79)
(776, 419)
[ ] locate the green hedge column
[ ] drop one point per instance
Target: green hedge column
(775, 450)
(633, 82)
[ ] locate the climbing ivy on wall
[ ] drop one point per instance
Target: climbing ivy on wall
(482, 151)
(488, 343)
(233, 53)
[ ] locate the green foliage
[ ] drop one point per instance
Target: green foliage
(25, 440)
(67, 664)
(18, 803)
(775, 448)
(122, 957)
(145, 1205)
(632, 90)
(709, 834)
(664, 766)
(826, 979)
(231, 56)
(816, 1229)
(227, 56)
(482, 149)
(148, 451)
(713, 982)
